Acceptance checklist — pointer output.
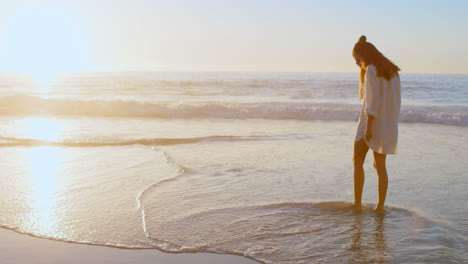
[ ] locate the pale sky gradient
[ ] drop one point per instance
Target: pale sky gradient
(239, 35)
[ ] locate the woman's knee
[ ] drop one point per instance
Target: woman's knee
(360, 152)
(381, 170)
(379, 162)
(358, 160)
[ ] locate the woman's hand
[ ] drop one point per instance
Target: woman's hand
(368, 135)
(370, 121)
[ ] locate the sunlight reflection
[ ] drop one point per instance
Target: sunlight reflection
(44, 166)
(41, 129)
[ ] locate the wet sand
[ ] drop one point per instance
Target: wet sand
(20, 248)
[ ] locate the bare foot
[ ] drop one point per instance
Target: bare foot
(380, 211)
(357, 208)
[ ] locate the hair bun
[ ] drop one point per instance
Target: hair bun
(362, 38)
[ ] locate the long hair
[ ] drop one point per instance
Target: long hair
(371, 55)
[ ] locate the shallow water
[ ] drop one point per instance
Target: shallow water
(210, 178)
(276, 197)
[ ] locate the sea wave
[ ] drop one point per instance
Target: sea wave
(31, 105)
(101, 142)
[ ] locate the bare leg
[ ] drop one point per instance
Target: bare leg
(380, 167)
(360, 152)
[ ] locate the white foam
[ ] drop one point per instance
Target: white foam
(28, 105)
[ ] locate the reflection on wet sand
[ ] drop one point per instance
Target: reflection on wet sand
(368, 240)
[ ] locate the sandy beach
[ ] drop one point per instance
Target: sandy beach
(20, 248)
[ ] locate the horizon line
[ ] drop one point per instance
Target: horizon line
(207, 71)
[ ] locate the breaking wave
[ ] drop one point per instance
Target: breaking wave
(30, 105)
(100, 142)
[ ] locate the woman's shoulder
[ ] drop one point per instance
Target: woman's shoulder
(371, 71)
(371, 68)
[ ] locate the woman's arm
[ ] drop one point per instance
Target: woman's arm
(372, 88)
(372, 99)
(370, 120)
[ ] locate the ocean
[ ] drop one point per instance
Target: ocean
(243, 163)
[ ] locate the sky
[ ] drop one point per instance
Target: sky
(230, 35)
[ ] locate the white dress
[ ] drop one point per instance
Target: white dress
(382, 100)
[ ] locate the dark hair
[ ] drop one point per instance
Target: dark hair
(371, 55)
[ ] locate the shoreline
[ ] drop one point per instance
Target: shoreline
(23, 248)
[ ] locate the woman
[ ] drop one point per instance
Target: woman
(378, 123)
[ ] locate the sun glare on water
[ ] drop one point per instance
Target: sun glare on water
(44, 164)
(39, 129)
(44, 168)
